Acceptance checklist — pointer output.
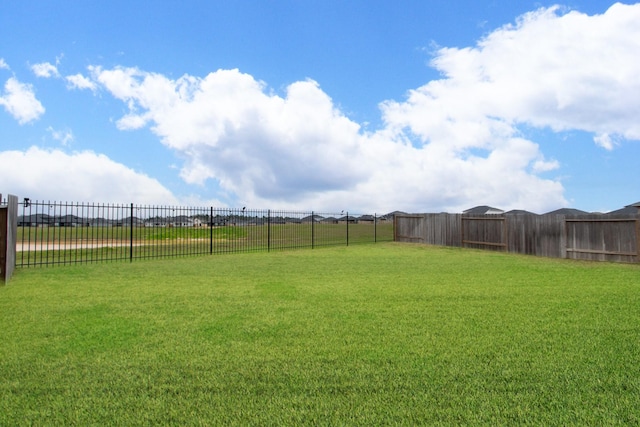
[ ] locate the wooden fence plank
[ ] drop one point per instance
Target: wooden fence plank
(590, 237)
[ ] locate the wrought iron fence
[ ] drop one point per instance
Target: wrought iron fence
(54, 233)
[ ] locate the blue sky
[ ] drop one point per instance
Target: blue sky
(370, 106)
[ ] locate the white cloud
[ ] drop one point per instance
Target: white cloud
(229, 129)
(45, 69)
(300, 150)
(20, 101)
(542, 165)
(3, 64)
(570, 71)
(452, 143)
(605, 141)
(65, 137)
(83, 176)
(78, 81)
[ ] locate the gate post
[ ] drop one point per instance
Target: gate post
(8, 237)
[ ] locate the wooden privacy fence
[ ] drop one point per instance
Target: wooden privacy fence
(591, 237)
(610, 239)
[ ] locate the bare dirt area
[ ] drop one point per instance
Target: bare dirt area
(65, 246)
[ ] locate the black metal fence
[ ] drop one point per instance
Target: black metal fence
(55, 233)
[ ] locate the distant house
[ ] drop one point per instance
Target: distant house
(100, 222)
(156, 222)
(36, 220)
(633, 209)
(567, 211)
(330, 220)
(519, 212)
(180, 221)
(390, 216)
(219, 221)
(314, 218)
(367, 219)
(135, 221)
(483, 210)
(69, 221)
(350, 219)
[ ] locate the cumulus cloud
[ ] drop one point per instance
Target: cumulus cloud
(20, 101)
(45, 70)
(83, 176)
(299, 149)
(228, 128)
(452, 143)
(3, 64)
(605, 141)
(65, 137)
(570, 71)
(78, 81)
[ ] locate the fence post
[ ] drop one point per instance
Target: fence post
(211, 232)
(131, 235)
(395, 227)
(8, 237)
(3, 241)
(638, 236)
(375, 228)
(312, 230)
(269, 230)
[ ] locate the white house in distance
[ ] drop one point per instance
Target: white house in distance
(483, 210)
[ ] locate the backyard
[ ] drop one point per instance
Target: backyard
(371, 334)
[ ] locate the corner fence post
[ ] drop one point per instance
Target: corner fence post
(8, 237)
(131, 235)
(395, 228)
(638, 237)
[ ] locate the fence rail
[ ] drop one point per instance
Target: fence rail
(54, 233)
(589, 237)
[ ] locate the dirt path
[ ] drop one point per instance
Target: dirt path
(65, 246)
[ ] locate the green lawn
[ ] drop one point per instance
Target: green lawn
(384, 334)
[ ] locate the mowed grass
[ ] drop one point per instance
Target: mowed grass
(385, 334)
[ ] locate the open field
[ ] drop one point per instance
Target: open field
(69, 245)
(257, 232)
(385, 334)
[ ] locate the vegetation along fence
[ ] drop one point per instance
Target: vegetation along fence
(591, 237)
(53, 233)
